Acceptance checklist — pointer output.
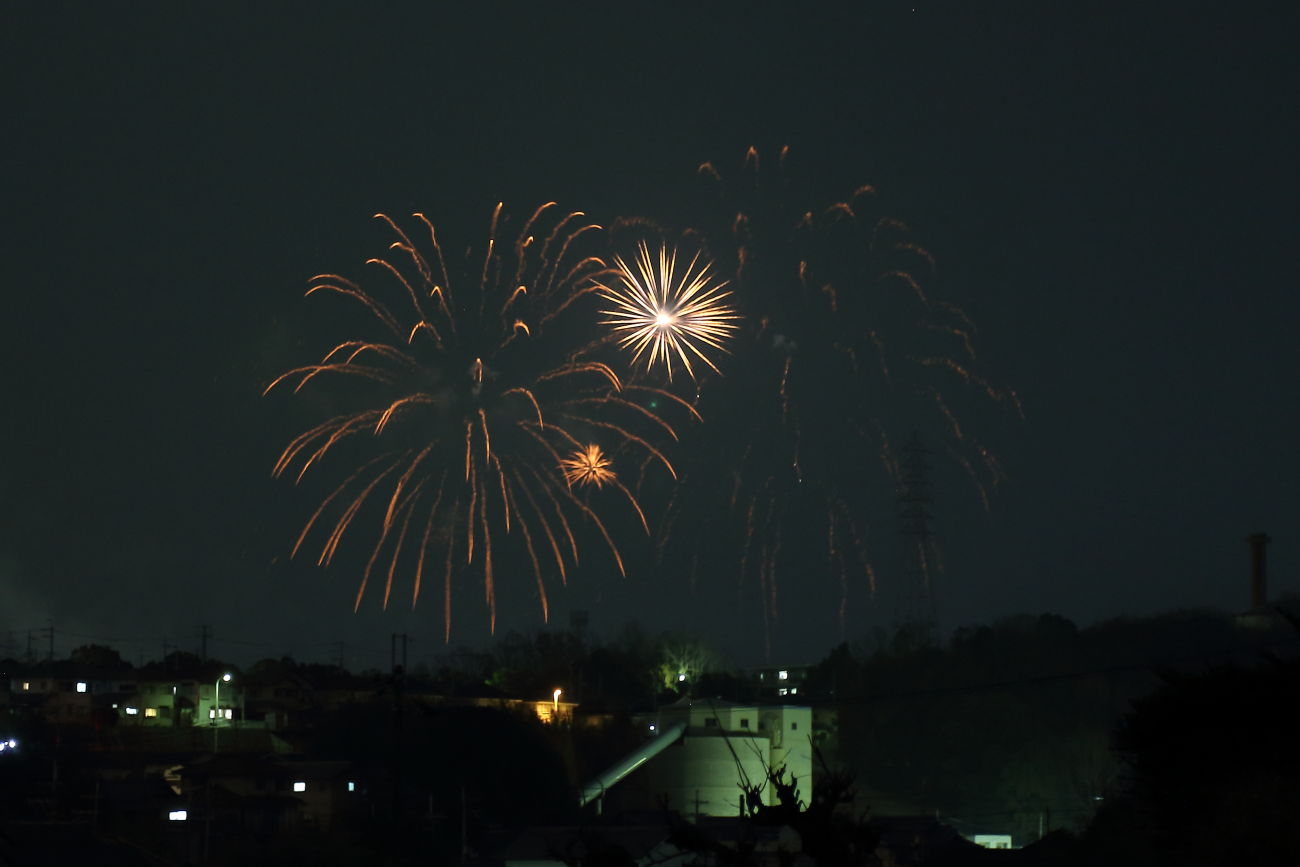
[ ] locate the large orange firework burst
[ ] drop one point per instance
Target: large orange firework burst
(659, 312)
(464, 391)
(843, 352)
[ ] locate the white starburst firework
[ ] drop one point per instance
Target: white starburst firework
(658, 315)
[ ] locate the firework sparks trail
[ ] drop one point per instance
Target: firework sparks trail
(659, 315)
(462, 406)
(841, 348)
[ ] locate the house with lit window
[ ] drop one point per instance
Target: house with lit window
(125, 701)
(54, 697)
(780, 682)
(179, 703)
(267, 793)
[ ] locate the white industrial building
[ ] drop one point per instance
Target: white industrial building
(699, 753)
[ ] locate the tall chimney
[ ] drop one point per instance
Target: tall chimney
(1258, 571)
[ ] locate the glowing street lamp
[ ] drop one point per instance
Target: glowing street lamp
(216, 708)
(216, 697)
(555, 709)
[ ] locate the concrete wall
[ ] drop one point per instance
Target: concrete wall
(699, 775)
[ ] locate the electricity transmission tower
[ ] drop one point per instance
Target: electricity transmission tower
(916, 602)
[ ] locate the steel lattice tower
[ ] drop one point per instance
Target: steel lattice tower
(916, 603)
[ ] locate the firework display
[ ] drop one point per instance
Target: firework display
(515, 400)
(477, 417)
(840, 356)
(659, 312)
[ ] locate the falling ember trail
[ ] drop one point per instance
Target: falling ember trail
(837, 346)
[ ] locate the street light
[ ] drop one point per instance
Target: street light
(555, 709)
(216, 708)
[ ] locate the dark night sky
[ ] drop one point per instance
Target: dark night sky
(1110, 193)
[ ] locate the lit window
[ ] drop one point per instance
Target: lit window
(782, 691)
(81, 686)
(178, 815)
(783, 675)
(151, 711)
(230, 713)
(27, 685)
(794, 690)
(993, 841)
(131, 711)
(352, 787)
(300, 787)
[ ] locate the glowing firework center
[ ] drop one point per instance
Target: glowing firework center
(661, 317)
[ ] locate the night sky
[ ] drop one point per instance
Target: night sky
(1110, 194)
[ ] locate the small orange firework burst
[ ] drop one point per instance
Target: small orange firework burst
(587, 466)
(659, 315)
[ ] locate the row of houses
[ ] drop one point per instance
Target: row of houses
(63, 697)
(200, 761)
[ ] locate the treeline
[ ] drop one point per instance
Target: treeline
(633, 671)
(1011, 727)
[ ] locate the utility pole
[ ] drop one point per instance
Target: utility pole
(464, 843)
(392, 652)
(399, 675)
(49, 632)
